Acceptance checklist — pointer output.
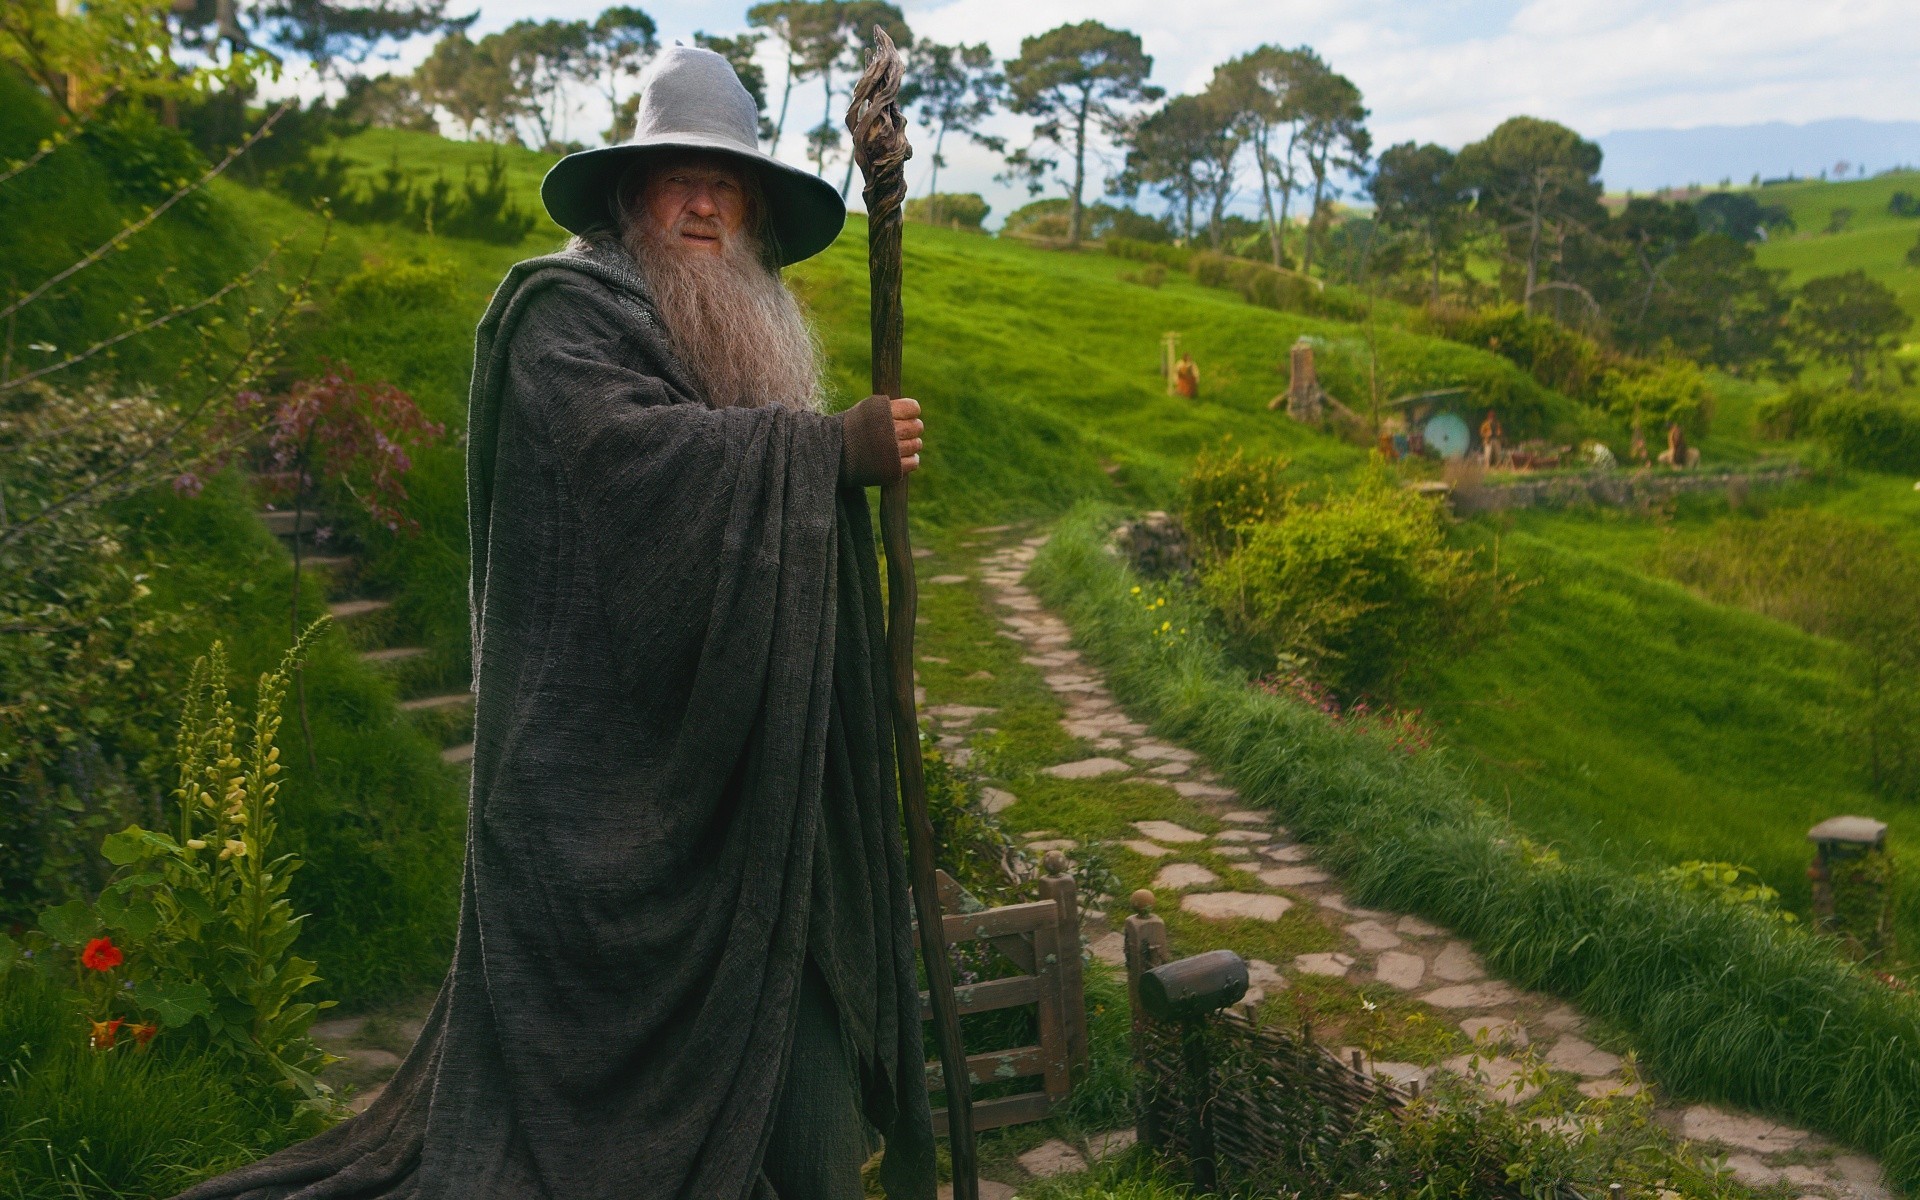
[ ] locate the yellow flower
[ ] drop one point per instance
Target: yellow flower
(235, 848)
(196, 843)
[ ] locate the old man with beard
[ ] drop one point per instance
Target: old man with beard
(684, 966)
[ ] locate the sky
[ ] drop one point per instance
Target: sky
(1430, 70)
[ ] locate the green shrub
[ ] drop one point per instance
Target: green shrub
(1357, 587)
(388, 289)
(1176, 257)
(1558, 357)
(194, 936)
(1788, 414)
(1656, 393)
(1227, 489)
(1870, 430)
(966, 210)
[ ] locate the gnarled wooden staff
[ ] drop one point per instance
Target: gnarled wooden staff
(880, 146)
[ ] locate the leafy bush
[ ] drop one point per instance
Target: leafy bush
(1177, 257)
(1870, 430)
(203, 926)
(1788, 414)
(145, 161)
(1228, 489)
(967, 210)
(1558, 357)
(1658, 392)
(81, 626)
(482, 209)
(1356, 588)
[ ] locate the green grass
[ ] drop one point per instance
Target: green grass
(1624, 715)
(1725, 1004)
(1874, 240)
(120, 1123)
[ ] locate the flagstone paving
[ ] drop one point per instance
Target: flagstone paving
(1514, 1033)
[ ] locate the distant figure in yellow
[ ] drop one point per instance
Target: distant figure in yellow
(1490, 438)
(1186, 377)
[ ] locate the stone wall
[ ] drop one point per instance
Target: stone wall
(1619, 489)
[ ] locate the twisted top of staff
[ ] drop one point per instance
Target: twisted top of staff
(879, 129)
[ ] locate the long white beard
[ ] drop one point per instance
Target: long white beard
(731, 320)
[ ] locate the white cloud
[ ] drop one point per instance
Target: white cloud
(1438, 70)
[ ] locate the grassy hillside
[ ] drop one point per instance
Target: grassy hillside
(1873, 239)
(1623, 713)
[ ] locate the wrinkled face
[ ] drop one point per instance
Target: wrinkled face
(698, 202)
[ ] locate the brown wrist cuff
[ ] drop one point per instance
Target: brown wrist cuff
(869, 450)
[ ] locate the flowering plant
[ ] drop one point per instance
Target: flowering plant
(195, 929)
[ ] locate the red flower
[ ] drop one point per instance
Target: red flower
(102, 955)
(143, 1032)
(104, 1033)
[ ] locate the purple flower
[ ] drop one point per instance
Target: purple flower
(187, 484)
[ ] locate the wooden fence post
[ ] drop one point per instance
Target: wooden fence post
(1145, 938)
(1058, 886)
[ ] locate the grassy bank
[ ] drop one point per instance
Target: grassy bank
(1723, 1003)
(381, 804)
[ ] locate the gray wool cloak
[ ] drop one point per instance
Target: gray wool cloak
(682, 785)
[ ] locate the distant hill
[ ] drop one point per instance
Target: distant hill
(1647, 159)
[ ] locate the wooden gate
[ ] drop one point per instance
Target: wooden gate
(1042, 940)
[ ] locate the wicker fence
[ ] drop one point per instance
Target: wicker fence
(1239, 1104)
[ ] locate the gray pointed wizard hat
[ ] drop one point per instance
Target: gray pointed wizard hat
(694, 101)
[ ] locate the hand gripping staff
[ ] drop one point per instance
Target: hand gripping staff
(880, 146)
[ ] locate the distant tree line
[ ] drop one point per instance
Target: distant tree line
(1517, 216)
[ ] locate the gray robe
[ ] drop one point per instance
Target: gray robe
(682, 787)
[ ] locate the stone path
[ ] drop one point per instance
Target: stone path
(369, 623)
(1511, 1030)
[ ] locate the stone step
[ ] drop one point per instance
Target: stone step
(285, 523)
(345, 610)
(325, 562)
(391, 654)
(458, 754)
(431, 703)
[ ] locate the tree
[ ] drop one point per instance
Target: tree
(1540, 181)
(386, 102)
(331, 32)
(1333, 136)
(1216, 170)
(472, 83)
(1716, 305)
(1164, 150)
(952, 89)
(1263, 86)
(541, 59)
(1417, 190)
(1849, 320)
(618, 46)
(1652, 233)
(793, 25)
(1074, 77)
